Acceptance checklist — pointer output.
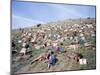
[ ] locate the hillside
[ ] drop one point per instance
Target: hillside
(75, 38)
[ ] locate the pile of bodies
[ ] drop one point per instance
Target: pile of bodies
(57, 36)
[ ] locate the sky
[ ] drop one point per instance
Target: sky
(26, 14)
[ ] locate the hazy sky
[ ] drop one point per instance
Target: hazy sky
(25, 14)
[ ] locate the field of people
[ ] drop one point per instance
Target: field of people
(56, 46)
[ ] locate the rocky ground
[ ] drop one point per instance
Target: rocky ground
(75, 36)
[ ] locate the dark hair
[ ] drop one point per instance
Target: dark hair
(61, 43)
(52, 52)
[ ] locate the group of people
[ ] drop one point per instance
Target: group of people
(53, 37)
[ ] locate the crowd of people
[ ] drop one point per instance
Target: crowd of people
(54, 37)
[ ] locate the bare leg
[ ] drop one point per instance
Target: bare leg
(49, 65)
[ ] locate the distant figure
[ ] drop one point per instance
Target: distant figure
(60, 49)
(27, 46)
(14, 52)
(38, 25)
(82, 40)
(13, 44)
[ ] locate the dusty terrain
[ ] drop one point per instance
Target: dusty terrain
(65, 29)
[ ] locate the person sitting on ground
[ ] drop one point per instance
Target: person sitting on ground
(60, 48)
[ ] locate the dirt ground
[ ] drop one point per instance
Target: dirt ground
(23, 65)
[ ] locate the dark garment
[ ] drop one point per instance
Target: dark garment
(38, 25)
(48, 56)
(27, 46)
(53, 59)
(13, 44)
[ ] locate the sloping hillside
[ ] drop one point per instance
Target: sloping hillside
(72, 41)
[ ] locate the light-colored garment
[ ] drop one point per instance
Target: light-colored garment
(23, 50)
(19, 41)
(82, 61)
(23, 44)
(32, 40)
(37, 47)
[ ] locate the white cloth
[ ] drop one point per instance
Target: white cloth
(19, 41)
(93, 35)
(81, 34)
(82, 61)
(23, 50)
(32, 40)
(29, 34)
(37, 47)
(54, 44)
(24, 44)
(90, 25)
(83, 38)
(71, 38)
